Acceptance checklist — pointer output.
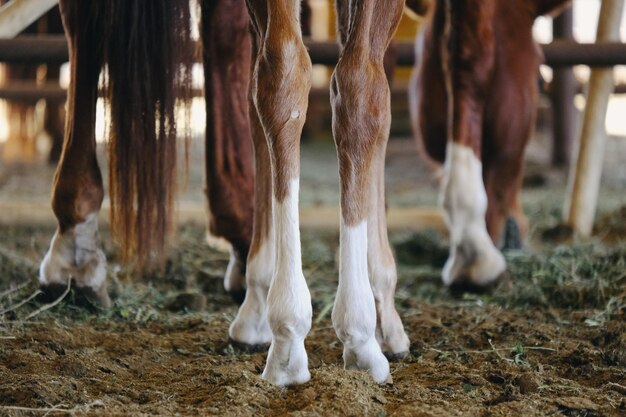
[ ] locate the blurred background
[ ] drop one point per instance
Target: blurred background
(31, 127)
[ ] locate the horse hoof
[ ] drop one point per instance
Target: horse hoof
(249, 349)
(396, 357)
(84, 297)
(465, 285)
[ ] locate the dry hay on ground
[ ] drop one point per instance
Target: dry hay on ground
(552, 344)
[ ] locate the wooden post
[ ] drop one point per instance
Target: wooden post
(584, 181)
(17, 15)
(563, 92)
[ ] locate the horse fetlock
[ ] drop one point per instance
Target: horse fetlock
(76, 254)
(390, 333)
(474, 259)
(473, 256)
(366, 355)
(251, 326)
(287, 361)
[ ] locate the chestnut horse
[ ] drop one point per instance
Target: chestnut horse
(473, 104)
(146, 50)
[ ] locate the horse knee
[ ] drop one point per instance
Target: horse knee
(360, 100)
(283, 84)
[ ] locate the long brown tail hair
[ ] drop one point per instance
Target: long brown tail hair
(148, 54)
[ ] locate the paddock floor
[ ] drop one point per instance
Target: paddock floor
(551, 340)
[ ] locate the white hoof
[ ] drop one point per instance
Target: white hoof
(367, 357)
(287, 363)
(77, 254)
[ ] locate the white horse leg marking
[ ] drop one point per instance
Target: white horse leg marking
(473, 255)
(77, 253)
(354, 312)
(251, 326)
(289, 300)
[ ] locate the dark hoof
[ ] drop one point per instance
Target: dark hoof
(396, 357)
(249, 349)
(462, 286)
(238, 296)
(79, 296)
(512, 236)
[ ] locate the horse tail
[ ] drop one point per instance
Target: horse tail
(148, 54)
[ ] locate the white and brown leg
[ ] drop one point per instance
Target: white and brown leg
(361, 119)
(251, 326)
(473, 257)
(280, 87)
(77, 191)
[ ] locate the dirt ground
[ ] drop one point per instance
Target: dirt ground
(549, 341)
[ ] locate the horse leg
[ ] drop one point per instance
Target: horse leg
(54, 118)
(361, 119)
(77, 190)
(281, 83)
(503, 175)
(381, 264)
(251, 325)
(229, 164)
(508, 128)
(473, 256)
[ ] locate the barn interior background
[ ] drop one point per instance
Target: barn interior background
(552, 341)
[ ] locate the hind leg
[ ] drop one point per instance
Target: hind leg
(229, 164)
(508, 134)
(77, 190)
(473, 257)
(251, 325)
